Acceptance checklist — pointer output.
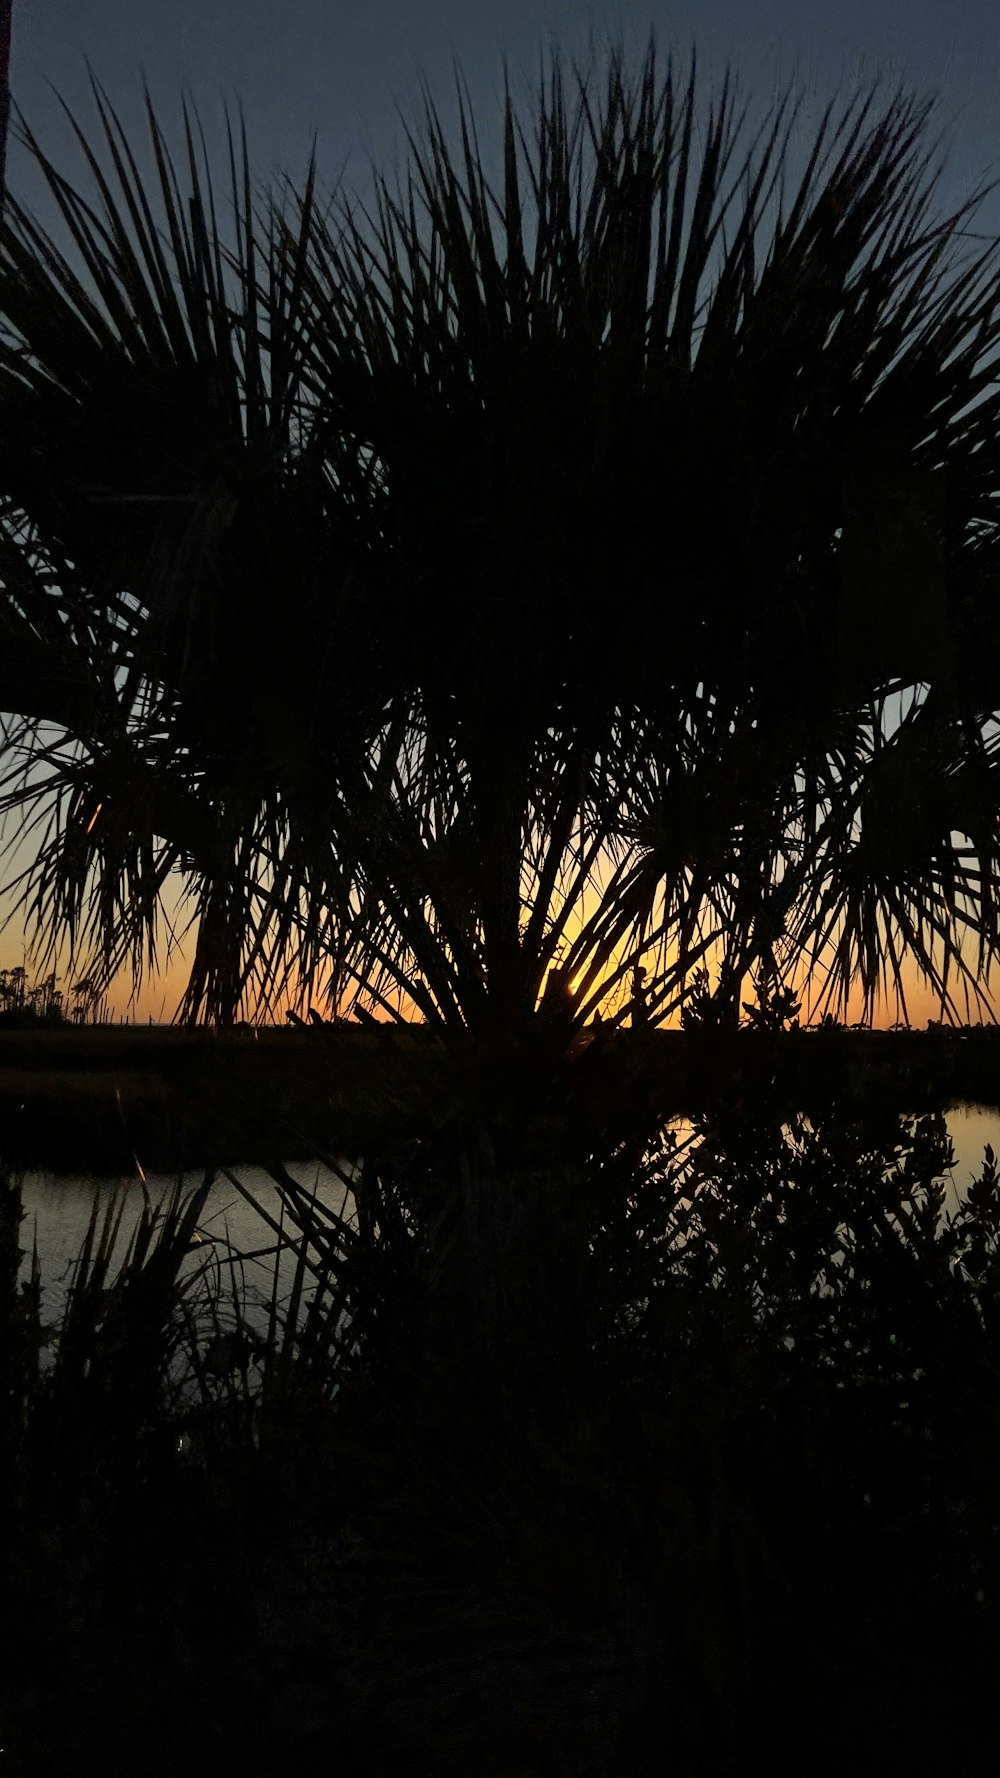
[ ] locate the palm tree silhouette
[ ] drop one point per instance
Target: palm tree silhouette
(591, 567)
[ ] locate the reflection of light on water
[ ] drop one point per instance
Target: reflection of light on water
(970, 1127)
(240, 1242)
(232, 1236)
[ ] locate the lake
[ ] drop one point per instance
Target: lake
(232, 1235)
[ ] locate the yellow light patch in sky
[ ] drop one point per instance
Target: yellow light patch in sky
(159, 996)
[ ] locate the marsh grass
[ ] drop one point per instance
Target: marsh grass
(670, 1448)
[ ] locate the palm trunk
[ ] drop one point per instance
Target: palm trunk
(499, 806)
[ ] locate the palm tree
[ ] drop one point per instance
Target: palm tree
(585, 569)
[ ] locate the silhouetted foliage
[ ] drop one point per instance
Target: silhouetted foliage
(593, 563)
(738, 1473)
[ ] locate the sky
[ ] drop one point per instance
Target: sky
(346, 75)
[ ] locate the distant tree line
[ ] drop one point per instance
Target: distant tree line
(44, 1002)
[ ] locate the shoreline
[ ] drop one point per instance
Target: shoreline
(102, 1099)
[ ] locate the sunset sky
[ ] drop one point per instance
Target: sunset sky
(344, 73)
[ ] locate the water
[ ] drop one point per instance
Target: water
(234, 1234)
(971, 1127)
(235, 1238)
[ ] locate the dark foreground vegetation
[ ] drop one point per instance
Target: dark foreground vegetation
(652, 1460)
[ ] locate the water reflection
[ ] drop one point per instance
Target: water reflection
(235, 1236)
(970, 1127)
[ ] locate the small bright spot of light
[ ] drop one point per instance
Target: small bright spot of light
(93, 817)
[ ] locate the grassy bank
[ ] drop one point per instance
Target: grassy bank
(93, 1099)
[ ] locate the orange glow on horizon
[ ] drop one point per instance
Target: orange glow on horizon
(159, 997)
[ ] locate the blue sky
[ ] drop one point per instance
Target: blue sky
(340, 70)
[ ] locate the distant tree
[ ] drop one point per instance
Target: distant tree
(775, 1007)
(702, 1009)
(83, 999)
(42, 1001)
(597, 563)
(638, 1007)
